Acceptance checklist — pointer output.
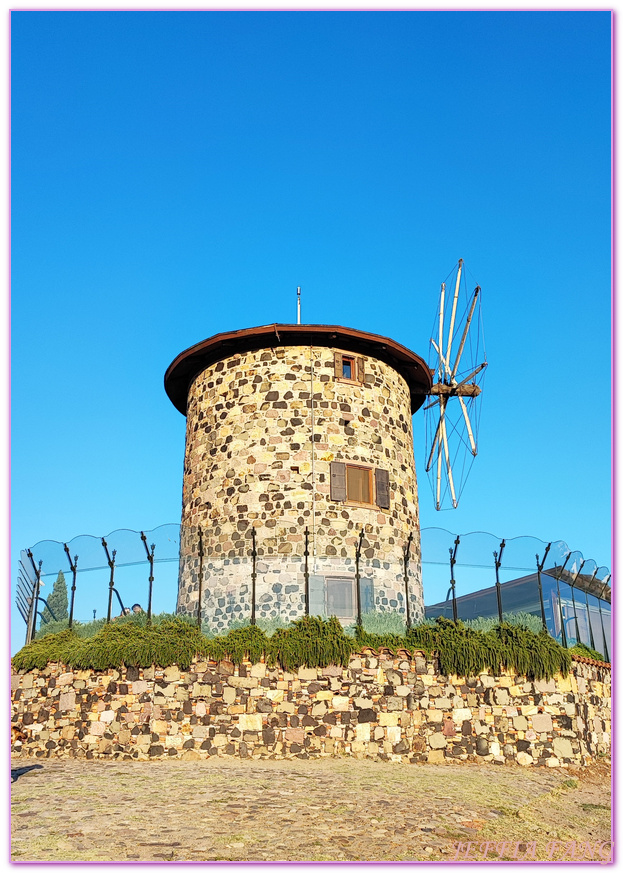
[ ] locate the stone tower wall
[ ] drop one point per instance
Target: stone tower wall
(249, 463)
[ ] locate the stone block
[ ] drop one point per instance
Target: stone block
(461, 715)
(363, 702)
(309, 673)
(295, 735)
(524, 759)
(562, 747)
(324, 695)
(437, 741)
(388, 719)
(67, 701)
(340, 703)
(250, 722)
(393, 734)
(520, 723)
(545, 686)
(362, 732)
(542, 722)
(436, 756)
(65, 679)
(229, 694)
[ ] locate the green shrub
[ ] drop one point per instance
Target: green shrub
(310, 641)
(586, 652)
(525, 619)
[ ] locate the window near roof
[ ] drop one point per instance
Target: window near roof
(350, 368)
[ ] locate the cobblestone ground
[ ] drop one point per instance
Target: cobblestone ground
(295, 810)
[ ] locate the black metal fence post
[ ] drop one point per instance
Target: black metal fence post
(357, 578)
(539, 570)
(253, 574)
(575, 612)
(498, 587)
(455, 612)
(200, 592)
(406, 557)
(599, 599)
(73, 566)
(306, 571)
(150, 558)
(590, 624)
(562, 620)
(35, 597)
(111, 585)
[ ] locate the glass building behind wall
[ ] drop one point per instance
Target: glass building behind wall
(576, 608)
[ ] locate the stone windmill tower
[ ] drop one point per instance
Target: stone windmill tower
(299, 439)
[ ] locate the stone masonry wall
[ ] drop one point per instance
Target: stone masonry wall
(249, 463)
(379, 707)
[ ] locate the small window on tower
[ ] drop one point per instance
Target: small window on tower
(349, 368)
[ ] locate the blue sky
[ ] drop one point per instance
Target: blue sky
(179, 174)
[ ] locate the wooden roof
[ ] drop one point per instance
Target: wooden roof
(188, 364)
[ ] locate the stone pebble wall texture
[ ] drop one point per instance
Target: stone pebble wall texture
(248, 463)
(379, 707)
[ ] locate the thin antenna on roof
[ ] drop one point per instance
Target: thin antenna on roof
(298, 305)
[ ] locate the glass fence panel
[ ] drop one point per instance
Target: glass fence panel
(595, 619)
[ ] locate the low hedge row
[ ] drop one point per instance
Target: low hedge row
(310, 641)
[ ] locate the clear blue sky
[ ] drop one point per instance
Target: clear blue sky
(179, 174)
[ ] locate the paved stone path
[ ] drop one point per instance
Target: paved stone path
(293, 810)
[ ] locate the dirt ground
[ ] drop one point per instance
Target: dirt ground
(297, 810)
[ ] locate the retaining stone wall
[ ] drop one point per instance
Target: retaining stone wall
(379, 707)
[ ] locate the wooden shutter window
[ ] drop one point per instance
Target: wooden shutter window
(338, 365)
(358, 484)
(360, 370)
(382, 488)
(338, 481)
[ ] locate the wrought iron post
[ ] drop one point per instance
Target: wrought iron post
(562, 621)
(35, 596)
(590, 624)
(111, 585)
(539, 570)
(498, 587)
(575, 613)
(357, 589)
(253, 574)
(406, 556)
(73, 566)
(455, 612)
(200, 592)
(601, 616)
(150, 558)
(306, 571)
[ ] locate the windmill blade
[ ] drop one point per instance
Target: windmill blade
(432, 448)
(471, 375)
(442, 360)
(440, 346)
(430, 405)
(464, 337)
(444, 437)
(439, 475)
(470, 434)
(453, 316)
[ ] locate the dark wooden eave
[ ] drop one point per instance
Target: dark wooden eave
(187, 365)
